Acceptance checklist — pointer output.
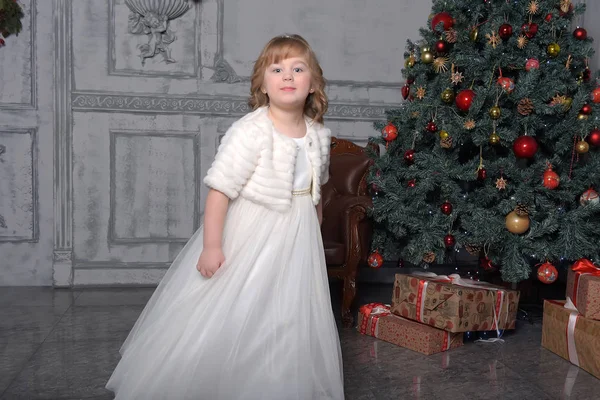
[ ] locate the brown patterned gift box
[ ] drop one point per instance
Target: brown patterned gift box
(454, 304)
(583, 288)
(572, 336)
(375, 319)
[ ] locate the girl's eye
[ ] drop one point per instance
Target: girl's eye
(297, 69)
(277, 70)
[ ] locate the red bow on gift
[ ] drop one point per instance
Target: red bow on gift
(375, 309)
(585, 266)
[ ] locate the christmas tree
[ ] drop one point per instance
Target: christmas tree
(496, 148)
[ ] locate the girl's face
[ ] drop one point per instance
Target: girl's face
(288, 83)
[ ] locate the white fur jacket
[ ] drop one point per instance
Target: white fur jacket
(256, 162)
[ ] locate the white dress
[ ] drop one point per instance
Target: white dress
(261, 328)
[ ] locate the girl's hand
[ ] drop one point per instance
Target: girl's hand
(210, 261)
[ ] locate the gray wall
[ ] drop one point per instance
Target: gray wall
(100, 183)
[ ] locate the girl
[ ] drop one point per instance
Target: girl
(244, 311)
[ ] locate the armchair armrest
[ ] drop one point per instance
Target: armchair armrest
(356, 228)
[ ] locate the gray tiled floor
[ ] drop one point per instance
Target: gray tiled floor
(58, 344)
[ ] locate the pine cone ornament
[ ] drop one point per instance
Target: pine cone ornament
(429, 257)
(525, 106)
(473, 249)
(522, 210)
(451, 36)
(446, 143)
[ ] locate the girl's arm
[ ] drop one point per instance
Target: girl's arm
(214, 218)
(212, 257)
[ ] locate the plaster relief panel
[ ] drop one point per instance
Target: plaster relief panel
(18, 186)
(154, 187)
(153, 37)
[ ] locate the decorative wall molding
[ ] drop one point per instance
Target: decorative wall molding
(33, 237)
(166, 104)
(224, 73)
(119, 265)
(32, 28)
(159, 37)
(113, 237)
(206, 105)
(63, 256)
(63, 158)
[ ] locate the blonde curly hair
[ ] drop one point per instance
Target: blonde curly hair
(282, 47)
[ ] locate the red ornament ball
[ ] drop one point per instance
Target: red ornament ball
(409, 156)
(550, 178)
(525, 146)
(529, 29)
(444, 18)
(431, 127)
(505, 31)
(441, 47)
(2, 42)
(580, 34)
(548, 17)
(464, 99)
(390, 132)
(595, 95)
(405, 91)
(507, 84)
(547, 273)
(446, 208)
(481, 174)
(412, 183)
(594, 138)
(586, 109)
(532, 63)
(410, 80)
(375, 260)
(449, 240)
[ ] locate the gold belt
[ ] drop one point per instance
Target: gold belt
(302, 192)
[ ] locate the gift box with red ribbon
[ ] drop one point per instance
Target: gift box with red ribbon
(454, 304)
(571, 336)
(583, 288)
(375, 319)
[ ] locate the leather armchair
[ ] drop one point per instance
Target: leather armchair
(346, 229)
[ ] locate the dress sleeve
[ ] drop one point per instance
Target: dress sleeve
(236, 160)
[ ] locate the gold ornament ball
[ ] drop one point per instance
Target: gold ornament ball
(582, 147)
(409, 62)
(474, 35)
(567, 103)
(444, 134)
(582, 117)
(448, 96)
(494, 138)
(427, 57)
(553, 49)
(516, 224)
(495, 112)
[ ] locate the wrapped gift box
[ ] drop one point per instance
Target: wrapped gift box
(375, 319)
(572, 336)
(454, 304)
(583, 288)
